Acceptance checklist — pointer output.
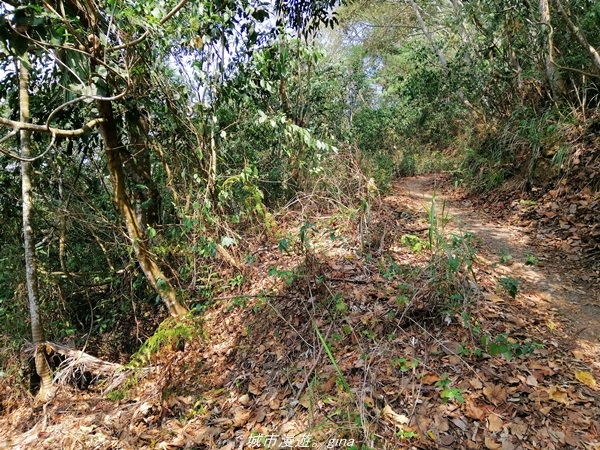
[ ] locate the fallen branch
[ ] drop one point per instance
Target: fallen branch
(77, 367)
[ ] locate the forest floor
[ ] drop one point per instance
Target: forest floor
(416, 321)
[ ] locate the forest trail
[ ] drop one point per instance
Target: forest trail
(548, 281)
(356, 338)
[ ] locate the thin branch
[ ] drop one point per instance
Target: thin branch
(28, 160)
(84, 97)
(63, 20)
(9, 135)
(72, 48)
(144, 36)
(370, 25)
(17, 125)
(592, 51)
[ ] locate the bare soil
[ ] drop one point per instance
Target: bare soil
(558, 282)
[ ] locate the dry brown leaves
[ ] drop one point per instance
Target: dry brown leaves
(262, 374)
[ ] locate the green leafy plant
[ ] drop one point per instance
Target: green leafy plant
(531, 260)
(240, 302)
(448, 393)
(116, 395)
(450, 265)
(288, 276)
(510, 285)
(402, 434)
(236, 281)
(404, 364)
(502, 345)
(505, 258)
(415, 243)
(284, 245)
(341, 379)
(402, 300)
(339, 304)
(467, 351)
(243, 196)
(390, 271)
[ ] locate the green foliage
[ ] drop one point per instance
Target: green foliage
(415, 243)
(341, 379)
(447, 392)
(243, 197)
(502, 345)
(288, 276)
(391, 270)
(406, 434)
(494, 345)
(404, 364)
(510, 285)
(531, 260)
(505, 258)
(451, 263)
(339, 305)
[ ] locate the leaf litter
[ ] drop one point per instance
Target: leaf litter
(357, 338)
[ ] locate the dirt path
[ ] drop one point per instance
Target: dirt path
(548, 282)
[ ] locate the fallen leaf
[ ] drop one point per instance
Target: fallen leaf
(585, 377)
(476, 383)
(274, 404)
(473, 411)
(446, 440)
(495, 394)
(494, 298)
(260, 416)
(256, 386)
(430, 378)
(460, 424)
(578, 354)
(495, 423)
(329, 385)
(241, 416)
(519, 429)
(393, 417)
(508, 445)
(558, 395)
(491, 444)
(179, 441)
(441, 424)
(532, 381)
(572, 440)
(305, 400)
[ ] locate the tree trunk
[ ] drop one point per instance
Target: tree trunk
(557, 85)
(37, 329)
(579, 35)
(153, 273)
(145, 193)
